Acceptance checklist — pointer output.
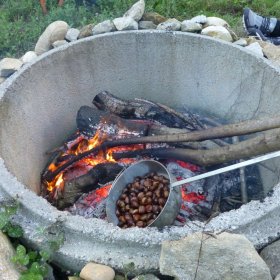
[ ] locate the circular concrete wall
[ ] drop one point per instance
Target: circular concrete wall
(39, 104)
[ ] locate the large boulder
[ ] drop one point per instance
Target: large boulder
(206, 257)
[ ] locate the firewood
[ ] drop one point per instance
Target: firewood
(101, 173)
(266, 142)
(139, 109)
(242, 128)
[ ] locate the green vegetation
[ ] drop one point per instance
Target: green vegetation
(32, 264)
(22, 21)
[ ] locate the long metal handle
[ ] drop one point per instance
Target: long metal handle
(227, 168)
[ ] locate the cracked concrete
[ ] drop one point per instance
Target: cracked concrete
(38, 107)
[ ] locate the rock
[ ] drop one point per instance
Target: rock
(86, 31)
(202, 19)
(8, 66)
(241, 42)
(59, 43)
(28, 57)
(146, 277)
(272, 52)
(125, 23)
(54, 32)
(143, 24)
(171, 24)
(7, 268)
(94, 271)
(255, 48)
(2, 79)
(232, 34)
(136, 11)
(72, 34)
(215, 21)
(103, 27)
(228, 256)
(271, 255)
(277, 277)
(74, 278)
(154, 17)
(218, 32)
(251, 40)
(190, 26)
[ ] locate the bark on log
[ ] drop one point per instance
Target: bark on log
(242, 128)
(267, 142)
(86, 183)
(139, 109)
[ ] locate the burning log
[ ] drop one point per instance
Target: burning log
(220, 155)
(101, 173)
(87, 120)
(142, 109)
(268, 141)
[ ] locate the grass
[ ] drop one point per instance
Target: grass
(22, 21)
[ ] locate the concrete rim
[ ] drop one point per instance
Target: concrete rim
(44, 214)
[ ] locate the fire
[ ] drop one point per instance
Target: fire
(85, 164)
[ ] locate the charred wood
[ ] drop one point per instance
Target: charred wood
(87, 120)
(73, 189)
(219, 155)
(139, 109)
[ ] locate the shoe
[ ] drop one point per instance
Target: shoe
(253, 21)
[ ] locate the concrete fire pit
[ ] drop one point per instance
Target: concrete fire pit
(38, 108)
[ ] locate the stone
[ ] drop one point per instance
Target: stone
(94, 271)
(255, 48)
(218, 32)
(271, 255)
(86, 31)
(156, 18)
(7, 268)
(190, 26)
(241, 42)
(59, 43)
(225, 256)
(74, 278)
(202, 19)
(72, 34)
(125, 23)
(8, 66)
(144, 24)
(216, 21)
(28, 57)
(103, 27)
(277, 277)
(54, 32)
(136, 11)
(171, 24)
(272, 52)
(145, 277)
